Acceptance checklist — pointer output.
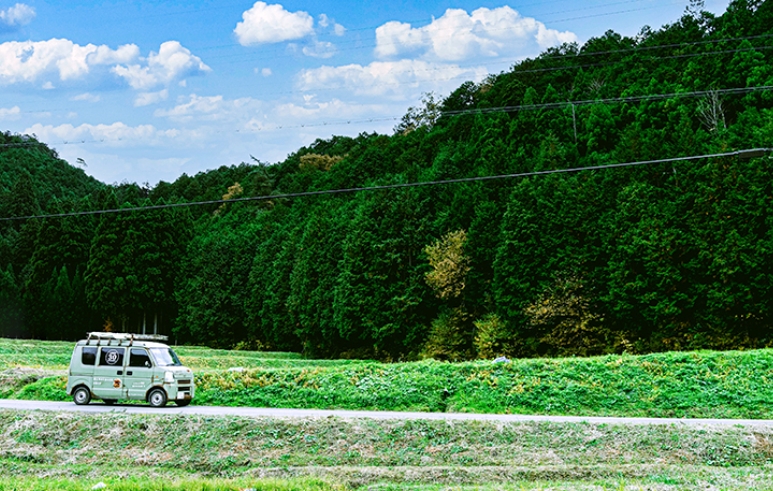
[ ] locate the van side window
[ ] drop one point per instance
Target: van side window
(111, 357)
(89, 355)
(139, 358)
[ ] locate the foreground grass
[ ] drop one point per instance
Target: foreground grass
(41, 450)
(130, 484)
(752, 480)
(699, 384)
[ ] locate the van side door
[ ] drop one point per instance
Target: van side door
(139, 373)
(109, 373)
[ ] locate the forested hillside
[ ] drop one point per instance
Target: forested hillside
(665, 256)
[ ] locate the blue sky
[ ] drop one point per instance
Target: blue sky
(143, 91)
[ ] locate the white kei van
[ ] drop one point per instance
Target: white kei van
(117, 366)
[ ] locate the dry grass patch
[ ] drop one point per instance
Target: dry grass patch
(368, 452)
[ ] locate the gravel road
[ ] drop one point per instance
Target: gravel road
(251, 412)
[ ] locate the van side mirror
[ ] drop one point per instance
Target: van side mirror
(147, 364)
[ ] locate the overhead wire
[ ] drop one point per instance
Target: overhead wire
(462, 112)
(367, 46)
(517, 71)
(372, 27)
(534, 70)
(543, 57)
(746, 154)
(531, 107)
(221, 5)
(279, 55)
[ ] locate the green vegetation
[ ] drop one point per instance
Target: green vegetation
(702, 384)
(130, 451)
(666, 257)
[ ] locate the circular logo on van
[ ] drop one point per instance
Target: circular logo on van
(112, 357)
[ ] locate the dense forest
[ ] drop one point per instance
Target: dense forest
(667, 256)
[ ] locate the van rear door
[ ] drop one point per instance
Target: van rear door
(82, 363)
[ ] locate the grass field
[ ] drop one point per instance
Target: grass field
(699, 384)
(41, 451)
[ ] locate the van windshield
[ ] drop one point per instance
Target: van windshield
(165, 357)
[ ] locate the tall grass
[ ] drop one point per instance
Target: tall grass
(698, 384)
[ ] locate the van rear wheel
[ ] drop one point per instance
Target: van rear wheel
(81, 396)
(157, 398)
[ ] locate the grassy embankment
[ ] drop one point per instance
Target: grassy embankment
(132, 452)
(699, 384)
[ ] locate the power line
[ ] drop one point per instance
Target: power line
(220, 7)
(534, 70)
(518, 71)
(744, 154)
(462, 112)
(639, 98)
(416, 21)
(367, 46)
(531, 107)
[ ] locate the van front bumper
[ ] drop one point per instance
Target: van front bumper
(179, 393)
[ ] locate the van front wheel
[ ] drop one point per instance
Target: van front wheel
(81, 396)
(157, 398)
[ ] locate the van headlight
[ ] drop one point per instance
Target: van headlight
(168, 377)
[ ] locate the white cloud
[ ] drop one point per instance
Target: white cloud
(106, 56)
(112, 133)
(320, 49)
(265, 23)
(395, 37)
(9, 113)
(173, 61)
(325, 21)
(458, 36)
(148, 98)
(195, 105)
(313, 111)
(266, 72)
(86, 97)
(48, 86)
(202, 109)
(398, 78)
(18, 15)
(26, 61)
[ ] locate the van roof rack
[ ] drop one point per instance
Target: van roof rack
(124, 336)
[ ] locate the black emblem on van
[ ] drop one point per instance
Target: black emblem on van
(112, 357)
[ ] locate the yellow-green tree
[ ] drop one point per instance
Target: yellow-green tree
(450, 334)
